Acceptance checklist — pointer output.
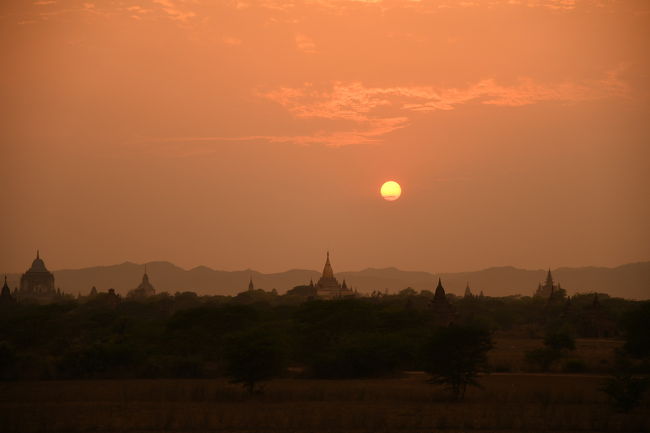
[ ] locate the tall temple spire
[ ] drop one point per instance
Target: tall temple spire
(440, 291)
(443, 312)
(549, 278)
(327, 269)
(251, 287)
(468, 291)
(38, 254)
(145, 277)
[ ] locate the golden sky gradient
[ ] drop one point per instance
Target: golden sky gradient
(239, 134)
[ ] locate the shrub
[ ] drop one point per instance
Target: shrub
(575, 366)
(557, 345)
(559, 341)
(625, 391)
(543, 358)
(7, 361)
(502, 368)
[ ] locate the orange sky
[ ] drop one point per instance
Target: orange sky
(239, 134)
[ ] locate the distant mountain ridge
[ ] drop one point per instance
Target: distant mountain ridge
(629, 280)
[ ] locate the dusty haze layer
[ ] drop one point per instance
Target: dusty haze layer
(256, 134)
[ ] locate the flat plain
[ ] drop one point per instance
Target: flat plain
(507, 402)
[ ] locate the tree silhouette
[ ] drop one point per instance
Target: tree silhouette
(557, 345)
(254, 356)
(455, 355)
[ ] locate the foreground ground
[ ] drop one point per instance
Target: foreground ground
(508, 402)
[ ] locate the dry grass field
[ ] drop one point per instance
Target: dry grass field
(596, 354)
(508, 402)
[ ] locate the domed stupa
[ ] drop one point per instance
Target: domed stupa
(145, 289)
(37, 282)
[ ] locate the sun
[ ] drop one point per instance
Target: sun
(391, 190)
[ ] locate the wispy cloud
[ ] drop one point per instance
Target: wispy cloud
(194, 12)
(367, 106)
(355, 101)
(174, 11)
(374, 112)
(231, 41)
(305, 44)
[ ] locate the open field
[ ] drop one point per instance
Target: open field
(508, 402)
(508, 353)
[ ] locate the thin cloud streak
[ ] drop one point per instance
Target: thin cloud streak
(305, 44)
(368, 134)
(357, 103)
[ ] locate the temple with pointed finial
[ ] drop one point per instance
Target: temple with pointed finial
(328, 286)
(444, 313)
(549, 289)
(37, 282)
(145, 289)
(468, 292)
(251, 286)
(6, 297)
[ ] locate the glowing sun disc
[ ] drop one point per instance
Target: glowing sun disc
(391, 190)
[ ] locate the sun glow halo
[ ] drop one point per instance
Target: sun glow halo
(391, 190)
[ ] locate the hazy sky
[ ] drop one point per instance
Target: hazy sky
(239, 134)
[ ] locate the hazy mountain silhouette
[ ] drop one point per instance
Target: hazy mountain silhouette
(629, 281)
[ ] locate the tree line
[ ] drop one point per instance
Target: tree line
(258, 335)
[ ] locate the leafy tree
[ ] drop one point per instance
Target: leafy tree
(455, 355)
(201, 331)
(360, 355)
(637, 337)
(99, 360)
(409, 291)
(254, 356)
(302, 291)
